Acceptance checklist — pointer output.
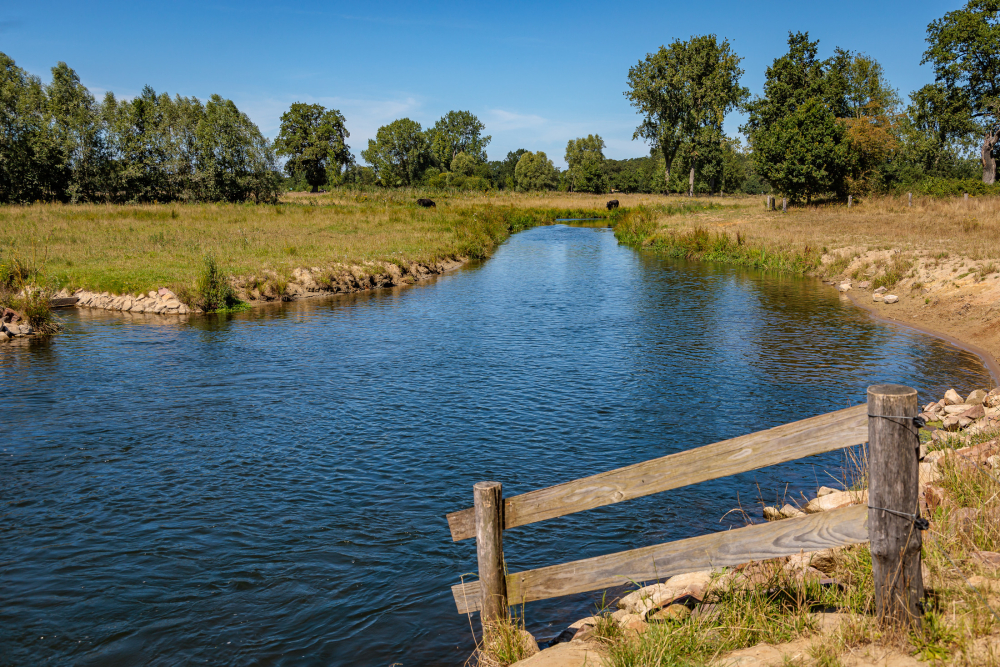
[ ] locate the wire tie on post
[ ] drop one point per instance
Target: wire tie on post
(920, 522)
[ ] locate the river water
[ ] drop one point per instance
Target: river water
(269, 488)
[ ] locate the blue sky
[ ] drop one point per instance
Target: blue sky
(536, 74)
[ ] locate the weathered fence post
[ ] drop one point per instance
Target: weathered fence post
(784, 205)
(488, 498)
(909, 199)
(893, 488)
(966, 197)
(850, 200)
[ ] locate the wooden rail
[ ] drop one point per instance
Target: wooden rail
(885, 422)
(769, 540)
(816, 435)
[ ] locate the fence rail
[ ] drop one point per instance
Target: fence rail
(882, 423)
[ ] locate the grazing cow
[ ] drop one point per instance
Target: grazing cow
(612, 204)
(426, 203)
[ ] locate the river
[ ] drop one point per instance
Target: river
(269, 487)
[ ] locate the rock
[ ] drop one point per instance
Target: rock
(936, 455)
(571, 654)
(790, 512)
(930, 407)
(693, 584)
(993, 398)
(528, 641)
(950, 423)
(975, 412)
(976, 398)
(844, 287)
(891, 298)
(836, 500)
(152, 295)
(772, 514)
(928, 416)
(928, 472)
(824, 491)
(987, 559)
(822, 561)
(878, 297)
(865, 284)
(934, 497)
(166, 294)
(956, 409)
(183, 310)
(993, 462)
(952, 397)
(674, 612)
(963, 421)
(881, 290)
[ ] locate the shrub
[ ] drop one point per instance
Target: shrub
(214, 292)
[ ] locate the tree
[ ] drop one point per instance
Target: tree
(399, 153)
(457, 132)
(685, 92)
(235, 160)
(535, 171)
(501, 172)
(22, 130)
(964, 50)
(801, 94)
(585, 157)
(463, 164)
(79, 152)
(315, 141)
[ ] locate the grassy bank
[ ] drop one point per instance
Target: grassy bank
(134, 249)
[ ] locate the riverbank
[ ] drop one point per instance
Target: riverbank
(151, 258)
(818, 608)
(940, 258)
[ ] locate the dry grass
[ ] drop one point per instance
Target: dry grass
(931, 226)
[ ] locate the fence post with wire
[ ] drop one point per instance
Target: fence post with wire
(890, 519)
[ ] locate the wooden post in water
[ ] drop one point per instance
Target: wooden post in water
(893, 488)
(488, 497)
(850, 200)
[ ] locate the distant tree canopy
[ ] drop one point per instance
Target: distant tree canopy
(458, 132)
(315, 142)
(535, 171)
(399, 154)
(58, 144)
(585, 158)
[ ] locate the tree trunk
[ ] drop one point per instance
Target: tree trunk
(315, 188)
(986, 155)
(691, 182)
(666, 173)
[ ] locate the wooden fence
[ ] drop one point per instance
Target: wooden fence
(886, 423)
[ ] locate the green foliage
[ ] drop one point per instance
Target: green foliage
(501, 172)
(399, 154)
(798, 145)
(634, 226)
(953, 187)
(585, 157)
(58, 144)
(684, 92)
(315, 142)
(214, 293)
(463, 164)
(964, 50)
(535, 171)
(457, 132)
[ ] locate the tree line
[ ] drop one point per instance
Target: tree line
(822, 127)
(57, 143)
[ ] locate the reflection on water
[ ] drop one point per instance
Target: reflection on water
(269, 487)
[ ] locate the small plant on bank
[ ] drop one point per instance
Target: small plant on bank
(214, 293)
(29, 301)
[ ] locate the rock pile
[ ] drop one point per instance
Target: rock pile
(979, 412)
(162, 302)
(12, 325)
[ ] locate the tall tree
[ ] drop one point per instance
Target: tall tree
(585, 158)
(235, 159)
(314, 140)
(399, 153)
(22, 131)
(685, 91)
(964, 50)
(73, 120)
(458, 132)
(799, 101)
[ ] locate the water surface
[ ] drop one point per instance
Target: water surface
(269, 488)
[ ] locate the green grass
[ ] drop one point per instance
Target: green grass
(134, 249)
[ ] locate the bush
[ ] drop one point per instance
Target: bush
(214, 293)
(952, 187)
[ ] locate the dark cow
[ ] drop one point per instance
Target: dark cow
(612, 204)
(426, 203)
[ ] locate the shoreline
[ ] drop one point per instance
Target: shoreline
(989, 361)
